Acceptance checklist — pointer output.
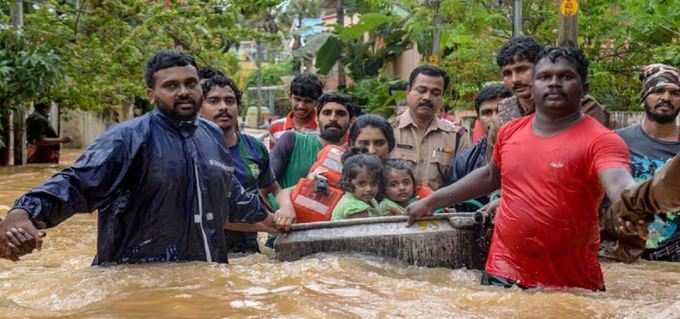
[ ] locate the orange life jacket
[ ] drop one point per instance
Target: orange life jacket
(330, 158)
(314, 200)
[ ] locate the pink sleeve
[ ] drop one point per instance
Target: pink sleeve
(609, 151)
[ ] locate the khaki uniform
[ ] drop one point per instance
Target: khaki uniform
(431, 154)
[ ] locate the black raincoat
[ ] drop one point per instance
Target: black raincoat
(163, 189)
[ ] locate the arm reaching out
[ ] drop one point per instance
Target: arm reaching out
(616, 181)
(480, 182)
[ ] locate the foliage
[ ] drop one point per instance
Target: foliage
(618, 37)
(363, 58)
(95, 52)
(272, 74)
(374, 96)
(28, 72)
(104, 44)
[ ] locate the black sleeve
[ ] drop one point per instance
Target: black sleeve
(281, 154)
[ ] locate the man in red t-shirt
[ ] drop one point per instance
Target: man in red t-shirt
(305, 90)
(553, 168)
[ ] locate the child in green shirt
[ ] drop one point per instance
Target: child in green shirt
(362, 182)
(400, 187)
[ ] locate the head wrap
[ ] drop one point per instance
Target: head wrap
(655, 75)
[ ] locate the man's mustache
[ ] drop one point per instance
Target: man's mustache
(517, 86)
(333, 125)
(662, 104)
(426, 103)
(223, 114)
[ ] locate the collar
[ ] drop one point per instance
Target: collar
(289, 124)
(405, 119)
(185, 128)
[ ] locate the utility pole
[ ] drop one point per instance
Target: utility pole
(340, 20)
(568, 23)
(436, 31)
(517, 18)
(19, 111)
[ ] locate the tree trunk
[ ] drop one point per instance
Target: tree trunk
(4, 136)
(19, 113)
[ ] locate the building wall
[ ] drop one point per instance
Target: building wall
(83, 127)
(408, 61)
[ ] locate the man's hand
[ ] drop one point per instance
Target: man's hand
(417, 210)
(283, 218)
(489, 210)
(317, 173)
(18, 235)
(637, 228)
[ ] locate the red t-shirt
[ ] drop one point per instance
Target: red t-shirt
(477, 132)
(546, 231)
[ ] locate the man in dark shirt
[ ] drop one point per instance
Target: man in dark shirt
(476, 156)
(163, 183)
(43, 140)
(221, 104)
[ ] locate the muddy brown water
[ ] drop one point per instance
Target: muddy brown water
(59, 282)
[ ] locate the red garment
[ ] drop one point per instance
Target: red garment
(423, 190)
(546, 230)
(477, 132)
(280, 126)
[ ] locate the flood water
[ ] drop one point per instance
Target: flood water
(59, 282)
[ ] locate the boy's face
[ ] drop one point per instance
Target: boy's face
(303, 108)
(517, 76)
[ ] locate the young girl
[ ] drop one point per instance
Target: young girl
(362, 182)
(400, 187)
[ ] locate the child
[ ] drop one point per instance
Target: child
(400, 187)
(362, 182)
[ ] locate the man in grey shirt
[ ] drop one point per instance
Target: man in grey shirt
(651, 144)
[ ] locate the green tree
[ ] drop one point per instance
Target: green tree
(28, 72)
(619, 37)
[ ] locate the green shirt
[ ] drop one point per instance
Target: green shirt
(307, 146)
(387, 203)
(350, 205)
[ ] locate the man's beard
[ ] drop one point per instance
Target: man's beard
(332, 133)
(661, 118)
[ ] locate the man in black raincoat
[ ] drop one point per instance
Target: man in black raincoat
(163, 183)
